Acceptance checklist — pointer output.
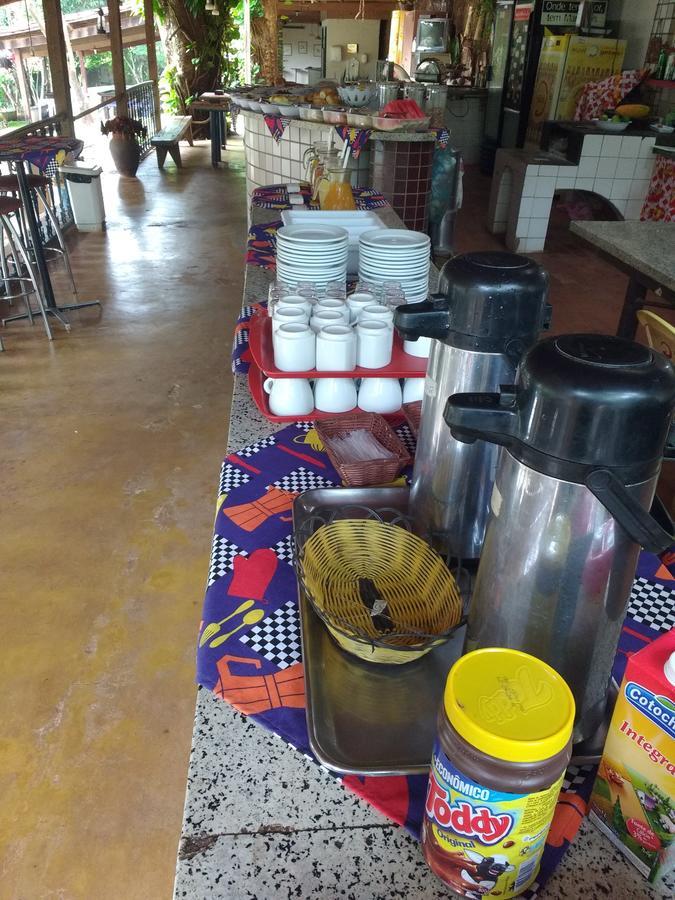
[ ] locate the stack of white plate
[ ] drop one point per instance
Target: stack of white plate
(315, 253)
(396, 254)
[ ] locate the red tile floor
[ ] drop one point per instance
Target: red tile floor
(586, 291)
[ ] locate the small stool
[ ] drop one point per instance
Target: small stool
(10, 206)
(38, 184)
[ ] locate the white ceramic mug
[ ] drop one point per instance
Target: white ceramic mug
(380, 395)
(336, 349)
(294, 347)
(374, 344)
(413, 389)
(334, 395)
(288, 316)
(322, 317)
(377, 312)
(296, 300)
(336, 305)
(357, 302)
(420, 348)
(289, 396)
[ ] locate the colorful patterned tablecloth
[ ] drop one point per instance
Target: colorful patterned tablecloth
(38, 150)
(249, 651)
(275, 196)
(659, 205)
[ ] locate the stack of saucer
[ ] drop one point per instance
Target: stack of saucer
(316, 253)
(396, 254)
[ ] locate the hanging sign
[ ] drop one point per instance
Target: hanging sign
(559, 12)
(565, 12)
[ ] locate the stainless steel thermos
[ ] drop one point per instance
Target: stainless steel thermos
(583, 432)
(490, 308)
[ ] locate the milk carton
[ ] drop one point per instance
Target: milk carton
(633, 799)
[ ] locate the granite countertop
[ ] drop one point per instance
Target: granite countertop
(263, 822)
(588, 128)
(645, 246)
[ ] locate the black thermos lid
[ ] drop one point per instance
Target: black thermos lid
(580, 401)
(596, 400)
(485, 301)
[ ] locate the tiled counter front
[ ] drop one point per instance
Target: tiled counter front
(402, 174)
(617, 167)
(397, 164)
(269, 162)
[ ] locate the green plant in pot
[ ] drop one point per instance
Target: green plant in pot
(124, 147)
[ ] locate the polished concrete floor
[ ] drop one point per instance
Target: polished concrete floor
(112, 438)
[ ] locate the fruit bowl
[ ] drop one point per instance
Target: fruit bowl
(353, 95)
(614, 127)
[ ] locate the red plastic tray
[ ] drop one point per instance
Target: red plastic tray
(261, 400)
(402, 365)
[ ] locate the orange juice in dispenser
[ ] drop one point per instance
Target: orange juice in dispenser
(633, 799)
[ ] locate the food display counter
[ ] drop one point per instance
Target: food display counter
(398, 164)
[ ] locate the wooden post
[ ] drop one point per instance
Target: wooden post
(23, 83)
(152, 58)
(58, 63)
(117, 48)
(247, 41)
(83, 71)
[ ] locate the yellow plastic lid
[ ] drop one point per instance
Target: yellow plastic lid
(509, 705)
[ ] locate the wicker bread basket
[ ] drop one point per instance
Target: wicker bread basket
(413, 414)
(383, 593)
(364, 472)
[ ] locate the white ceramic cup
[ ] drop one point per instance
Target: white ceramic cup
(334, 304)
(377, 312)
(374, 344)
(296, 300)
(357, 302)
(288, 316)
(336, 349)
(294, 347)
(322, 317)
(334, 395)
(289, 396)
(420, 348)
(380, 395)
(413, 389)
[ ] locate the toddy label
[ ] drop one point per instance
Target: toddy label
(481, 841)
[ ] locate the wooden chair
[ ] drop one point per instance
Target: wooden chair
(660, 334)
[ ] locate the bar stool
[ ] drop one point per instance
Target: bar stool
(38, 184)
(10, 206)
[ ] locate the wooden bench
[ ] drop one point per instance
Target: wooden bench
(166, 140)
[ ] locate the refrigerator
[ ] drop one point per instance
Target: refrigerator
(567, 62)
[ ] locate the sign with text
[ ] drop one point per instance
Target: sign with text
(565, 12)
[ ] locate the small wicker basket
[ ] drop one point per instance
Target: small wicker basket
(413, 414)
(364, 472)
(382, 592)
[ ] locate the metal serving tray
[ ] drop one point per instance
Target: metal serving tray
(366, 718)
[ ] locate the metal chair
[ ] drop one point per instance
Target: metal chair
(38, 185)
(11, 239)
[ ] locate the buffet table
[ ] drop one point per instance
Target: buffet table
(262, 820)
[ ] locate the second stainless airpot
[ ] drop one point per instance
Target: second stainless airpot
(584, 429)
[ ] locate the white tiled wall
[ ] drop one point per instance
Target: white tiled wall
(617, 167)
(269, 162)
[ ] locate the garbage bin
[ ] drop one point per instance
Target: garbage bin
(86, 196)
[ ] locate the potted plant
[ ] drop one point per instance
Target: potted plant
(123, 145)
